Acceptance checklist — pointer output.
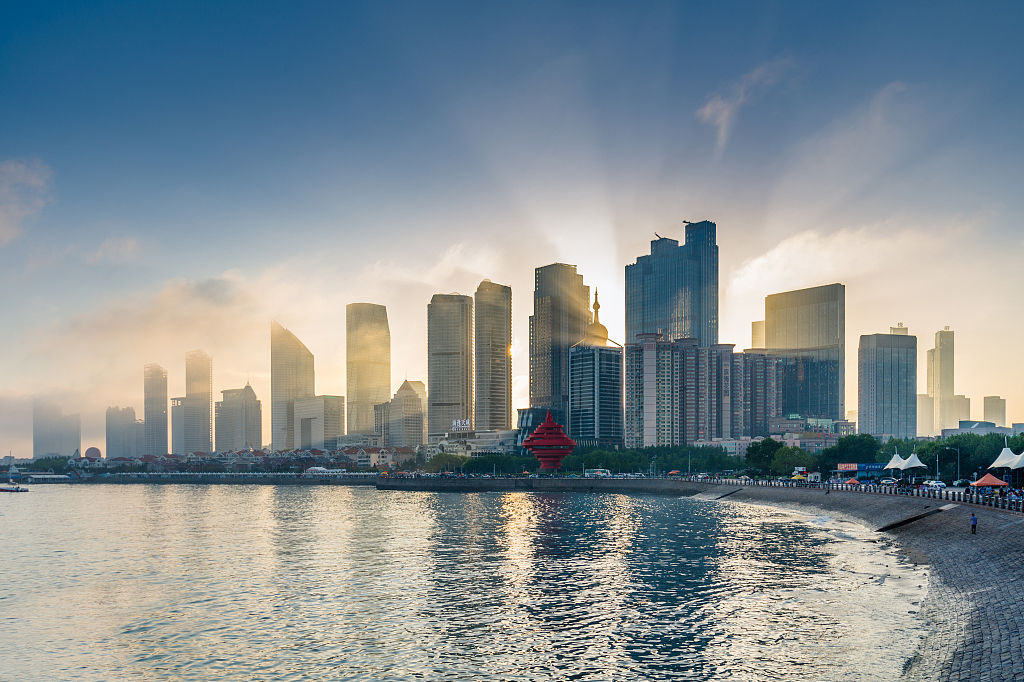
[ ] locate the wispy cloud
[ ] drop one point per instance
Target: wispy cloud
(721, 110)
(114, 250)
(24, 191)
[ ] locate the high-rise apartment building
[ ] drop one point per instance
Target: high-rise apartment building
(595, 388)
(198, 425)
(449, 362)
(809, 326)
(492, 334)
(561, 313)
(995, 410)
(887, 384)
(239, 420)
(674, 290)
(121, 432)
(319, 422)
(940, 382)
(925, 415)
(54, 434)
(155, 410)
(367, 363)
(291, 377)
(678, 392)
(404, 423)
(961, 409)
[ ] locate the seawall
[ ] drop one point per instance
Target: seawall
(974, 597)
(230, 479)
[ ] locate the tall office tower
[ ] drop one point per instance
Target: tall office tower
(449, 362)
(239, 420)
(757, 334)
(595, 388)
(561, 313)
(121, 432)
(940, 381)
(492, 336)
(54, 434)
(995, 410)
(291, 377)
(678, 392)
(925, 415)
(809, 326)
(674, 290)
(155, 410)
(381, 413)
(319, 422)
(367, 362)
(198, 426)
(961, 409)
(178, 426)
(407, 416)
(887, 384)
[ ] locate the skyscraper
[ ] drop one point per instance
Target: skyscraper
(674, 290)
(925, 415)
(155, 410)
(809, 326)
(367, 362)
(198, 425)
(561, 313)
(407, 416)
(995, 410)
(940, 382)
(291, 377)
(319, 421)
(887, 384)
(121, 432)
(239, 420)
(449, 362)
(595, 387)
(54, 434)
(493, 355)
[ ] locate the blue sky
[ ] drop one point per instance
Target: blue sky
(174, 175)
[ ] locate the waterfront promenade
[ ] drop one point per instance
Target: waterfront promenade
(974, 600)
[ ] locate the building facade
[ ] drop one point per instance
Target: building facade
(995, 410)
(449, 362)
(155, 410)
(198, 425)
(561, 313)
(291, 378)
(940, 382)
(492, 340)
(54, 434)
(808, 326)
(239, 420)
(319, 422)
(674, 290)
(404, 423)
(887, 385)
(367, 363)
(120, 432)
(925, 415)
(595, 388)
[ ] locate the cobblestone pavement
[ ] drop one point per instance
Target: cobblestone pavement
(974, 604)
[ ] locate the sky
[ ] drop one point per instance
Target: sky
(176, 175)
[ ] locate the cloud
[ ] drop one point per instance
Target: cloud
(721, 110)
(24, 191)
(114, 250)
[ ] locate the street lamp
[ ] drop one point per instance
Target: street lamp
(957, 450)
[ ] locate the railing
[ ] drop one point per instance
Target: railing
(961, 496)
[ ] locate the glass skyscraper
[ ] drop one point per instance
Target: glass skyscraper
(449, 362)
(595, 388)
(808, 326)
(492, 305)
(887, 385)
(367, 363)
(155, 410)
(291, 377)
(674, 290)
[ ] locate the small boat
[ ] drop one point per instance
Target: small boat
(12, 487)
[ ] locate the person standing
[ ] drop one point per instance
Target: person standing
(974, 524)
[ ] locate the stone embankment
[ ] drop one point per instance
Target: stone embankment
(235, 479)
(974, 601)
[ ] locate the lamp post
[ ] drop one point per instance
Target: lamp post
(957, 450)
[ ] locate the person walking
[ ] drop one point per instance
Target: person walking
(974, 524)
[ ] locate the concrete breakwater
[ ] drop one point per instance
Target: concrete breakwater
(974, 600)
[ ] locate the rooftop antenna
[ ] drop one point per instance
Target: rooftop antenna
(658, 235)
(687, 222)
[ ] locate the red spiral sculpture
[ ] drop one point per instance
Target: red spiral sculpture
(549, 444)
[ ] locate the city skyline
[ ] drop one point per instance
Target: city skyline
(895, 177)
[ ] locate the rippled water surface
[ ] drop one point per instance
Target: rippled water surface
(206, 582)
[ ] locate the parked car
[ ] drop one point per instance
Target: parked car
(961, 483)
(888, 481)
(934, 484)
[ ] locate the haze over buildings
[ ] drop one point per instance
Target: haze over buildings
(155, 412)
(492, 350)
(367, 362)
(291, 378)
(887, 376)
(449, 363)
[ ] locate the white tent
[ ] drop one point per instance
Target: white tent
(1005, 459)
(913, 462)
(896, 462)
(1018, 461)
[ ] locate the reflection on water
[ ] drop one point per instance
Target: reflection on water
(261, 582)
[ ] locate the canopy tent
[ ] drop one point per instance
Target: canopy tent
(798, 477)
(1008, 460)
(913, 462)
(987, 480)
(853, 481)
(896, 462)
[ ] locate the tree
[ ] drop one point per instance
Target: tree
(855, 449)
(760, 454)
(786, 459)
